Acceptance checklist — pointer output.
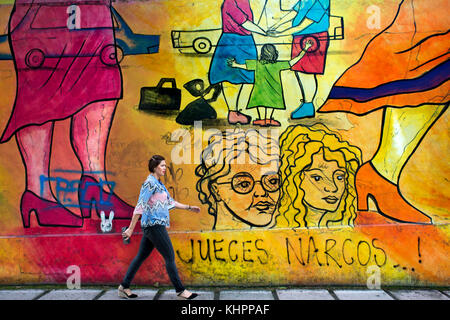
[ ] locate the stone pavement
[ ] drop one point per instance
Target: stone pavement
(110, 293)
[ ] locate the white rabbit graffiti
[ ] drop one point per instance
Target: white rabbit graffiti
(106, 224)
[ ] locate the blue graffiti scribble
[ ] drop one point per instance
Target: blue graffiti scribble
(66, 190)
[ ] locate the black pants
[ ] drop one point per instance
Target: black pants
(155, 236)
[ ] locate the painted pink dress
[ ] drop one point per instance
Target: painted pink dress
(64, 57)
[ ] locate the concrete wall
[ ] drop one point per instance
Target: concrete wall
(351, 189)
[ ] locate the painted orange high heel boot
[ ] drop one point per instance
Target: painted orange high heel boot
(386, 195)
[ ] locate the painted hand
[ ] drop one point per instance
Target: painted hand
(308, 44)
(273, 33)
(231, 62)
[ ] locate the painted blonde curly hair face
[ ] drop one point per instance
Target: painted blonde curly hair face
(298, 146)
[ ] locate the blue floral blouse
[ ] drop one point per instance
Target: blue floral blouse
(154, 203)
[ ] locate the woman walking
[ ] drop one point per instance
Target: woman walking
(153, 208)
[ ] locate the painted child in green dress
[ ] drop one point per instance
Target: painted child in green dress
(267, 91)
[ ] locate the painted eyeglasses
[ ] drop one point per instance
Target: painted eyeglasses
(243, 182)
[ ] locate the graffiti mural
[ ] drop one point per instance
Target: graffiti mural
(312, 134)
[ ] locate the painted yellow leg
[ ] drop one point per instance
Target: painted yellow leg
(403, 129)
(231, 93)
(236, 95)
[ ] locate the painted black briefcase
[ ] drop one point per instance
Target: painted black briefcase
(161, 98)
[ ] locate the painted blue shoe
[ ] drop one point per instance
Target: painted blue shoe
(305, 110)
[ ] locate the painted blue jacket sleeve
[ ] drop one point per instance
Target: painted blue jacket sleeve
(147, 190)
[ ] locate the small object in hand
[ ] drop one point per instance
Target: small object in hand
(125, 240)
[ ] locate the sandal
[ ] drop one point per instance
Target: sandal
(190, 297)
(121, 292)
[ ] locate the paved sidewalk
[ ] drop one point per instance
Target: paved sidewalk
(102, 293)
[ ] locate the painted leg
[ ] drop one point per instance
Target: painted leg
(271, 121)
(89, 135)
(403, 130)
(35, 147)
(260, 121)
(244, 96)
(231, 93)
(308, 86)
(34, 144)
(90, 131)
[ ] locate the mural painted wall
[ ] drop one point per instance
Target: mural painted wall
(313, 134)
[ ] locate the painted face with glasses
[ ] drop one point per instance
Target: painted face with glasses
(249, 193)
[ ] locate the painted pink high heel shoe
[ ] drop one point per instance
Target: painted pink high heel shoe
(48, 213)
(91, 194)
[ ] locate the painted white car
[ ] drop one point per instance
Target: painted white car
(203, 41)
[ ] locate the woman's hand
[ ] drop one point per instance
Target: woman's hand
(127, 234)
(186, 207)
(194, 208)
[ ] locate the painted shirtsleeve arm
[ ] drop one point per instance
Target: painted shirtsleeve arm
(234, 12)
